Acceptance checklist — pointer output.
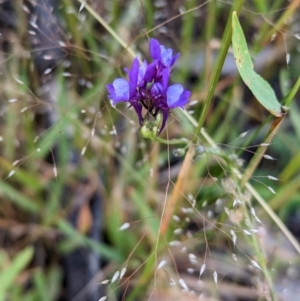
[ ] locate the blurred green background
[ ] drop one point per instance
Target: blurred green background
(82, 194)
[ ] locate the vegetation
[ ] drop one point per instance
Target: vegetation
(93, 210)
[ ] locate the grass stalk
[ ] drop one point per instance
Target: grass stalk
(252, 190)
(108, 28)
(188, 160)
(226, 41)
(260, 152)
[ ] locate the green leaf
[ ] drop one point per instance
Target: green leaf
(259, 87)
(7, 276)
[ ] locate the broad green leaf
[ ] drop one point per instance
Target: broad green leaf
(259, 87)
(7, 276)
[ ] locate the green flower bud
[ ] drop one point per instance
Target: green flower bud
(151, 126)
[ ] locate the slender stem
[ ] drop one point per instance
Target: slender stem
(226, 41)
(171, 142)
(259, 252)
(277, 27)
(178, 189)
(261, 258)
(260, 152)
(252, 190)
(273, 130)
(107, 27)
(289, 98)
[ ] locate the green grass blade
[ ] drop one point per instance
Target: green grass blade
(8, 276)
(287, 100)
(237, 5)
(18, 198)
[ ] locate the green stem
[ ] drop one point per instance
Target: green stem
(260, 152)
(279, 25)
(107, 27)
(253, 192)
(289, 98)
(273, 130)
(226, 41)
(171, 142)
(261, 257)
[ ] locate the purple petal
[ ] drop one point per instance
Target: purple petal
(177, 96)
(138, 109)
(184, 98)
(166, 56)
(133, 76)
(165, 78)
(149, 75)
(118, 90)
(142, 72)
(111, 90)
(165, 115)
(174, 58)
(154, 48)
(156, 89)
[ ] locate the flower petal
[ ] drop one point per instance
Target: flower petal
(142, 72)
(133, 76)
(154, 48)
(177, 96)
(166, 56)
(165, 78)
(156, 90)
(138, 109)
(174, 58)
(118, 90)
(165, 115)
(149, 75)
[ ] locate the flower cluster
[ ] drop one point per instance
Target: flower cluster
(147, 87)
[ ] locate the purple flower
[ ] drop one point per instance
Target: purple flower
(166, 98)
(145, 72)
(147, 87)
(122, 90)
(161, 54)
